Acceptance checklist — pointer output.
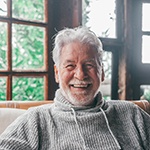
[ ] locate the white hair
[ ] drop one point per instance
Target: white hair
(81, 34)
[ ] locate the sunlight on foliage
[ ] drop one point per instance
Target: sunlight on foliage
(3, 45)
(28, 53)
(28, 89)
(2, 89)
(28, 9)
(145, 92)
(27, 49)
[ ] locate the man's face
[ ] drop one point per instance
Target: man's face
(79, 74)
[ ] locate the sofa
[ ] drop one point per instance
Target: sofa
(10, 110)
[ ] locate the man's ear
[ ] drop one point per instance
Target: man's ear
(103, 74)
(56, 74)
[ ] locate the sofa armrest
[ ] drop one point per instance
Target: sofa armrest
(144, 104)
(8, 115)
(23, 104)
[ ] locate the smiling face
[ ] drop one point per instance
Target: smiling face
(79, 74)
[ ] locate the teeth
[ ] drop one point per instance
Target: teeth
(80, 85)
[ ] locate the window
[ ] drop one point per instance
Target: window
(105, 87)
(24, 50)
(145, 92)
(140, 49)
(100, 17)
(25, 61)
(145, 50)
(124, 28)
(145, 33)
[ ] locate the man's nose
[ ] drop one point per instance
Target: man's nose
(80, 73)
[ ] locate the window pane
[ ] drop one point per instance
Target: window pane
(28, 47)
(145, 92)
(145, 18)
(3, 7)
(105, 87)
(28, 89)
(3, 45)
(100, 16)
(2, 88)
(145, 49)
(28, 9)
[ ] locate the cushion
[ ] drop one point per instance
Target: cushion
(7, 116)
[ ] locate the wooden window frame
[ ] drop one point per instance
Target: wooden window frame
(115, 45)
(47, 74)
(141, 71)
(58, 14)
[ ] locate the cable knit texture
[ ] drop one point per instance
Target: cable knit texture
(109, 125)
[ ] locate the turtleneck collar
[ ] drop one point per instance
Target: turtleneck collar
(62, 103)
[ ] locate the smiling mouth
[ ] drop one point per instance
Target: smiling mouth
(80, 85)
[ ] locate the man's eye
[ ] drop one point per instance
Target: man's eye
(88, 66)
(70, 67)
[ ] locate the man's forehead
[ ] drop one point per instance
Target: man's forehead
(84, 60)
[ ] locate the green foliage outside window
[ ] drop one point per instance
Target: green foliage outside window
(145, 92)
(28, 89)
(28, 9)
(2, 89)
(27, 51)
(147, 95)
(3, 47)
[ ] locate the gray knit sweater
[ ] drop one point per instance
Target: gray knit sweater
(110, 125)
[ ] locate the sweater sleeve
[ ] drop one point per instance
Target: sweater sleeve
(142, 122)
(22, 134)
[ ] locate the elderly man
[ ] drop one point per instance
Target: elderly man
(79, 119)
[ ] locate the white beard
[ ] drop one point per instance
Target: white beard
(79, 99)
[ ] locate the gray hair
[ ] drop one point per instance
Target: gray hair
(81, 34)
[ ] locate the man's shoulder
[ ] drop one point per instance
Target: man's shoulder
(121, 104)
(39, 110)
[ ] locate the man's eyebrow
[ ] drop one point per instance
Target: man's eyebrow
(90, 60)
(68, 61)
(86, 61)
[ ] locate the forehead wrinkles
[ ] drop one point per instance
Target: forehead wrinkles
(77, 50)
(92, 60)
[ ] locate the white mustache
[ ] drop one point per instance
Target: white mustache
(77, 82)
